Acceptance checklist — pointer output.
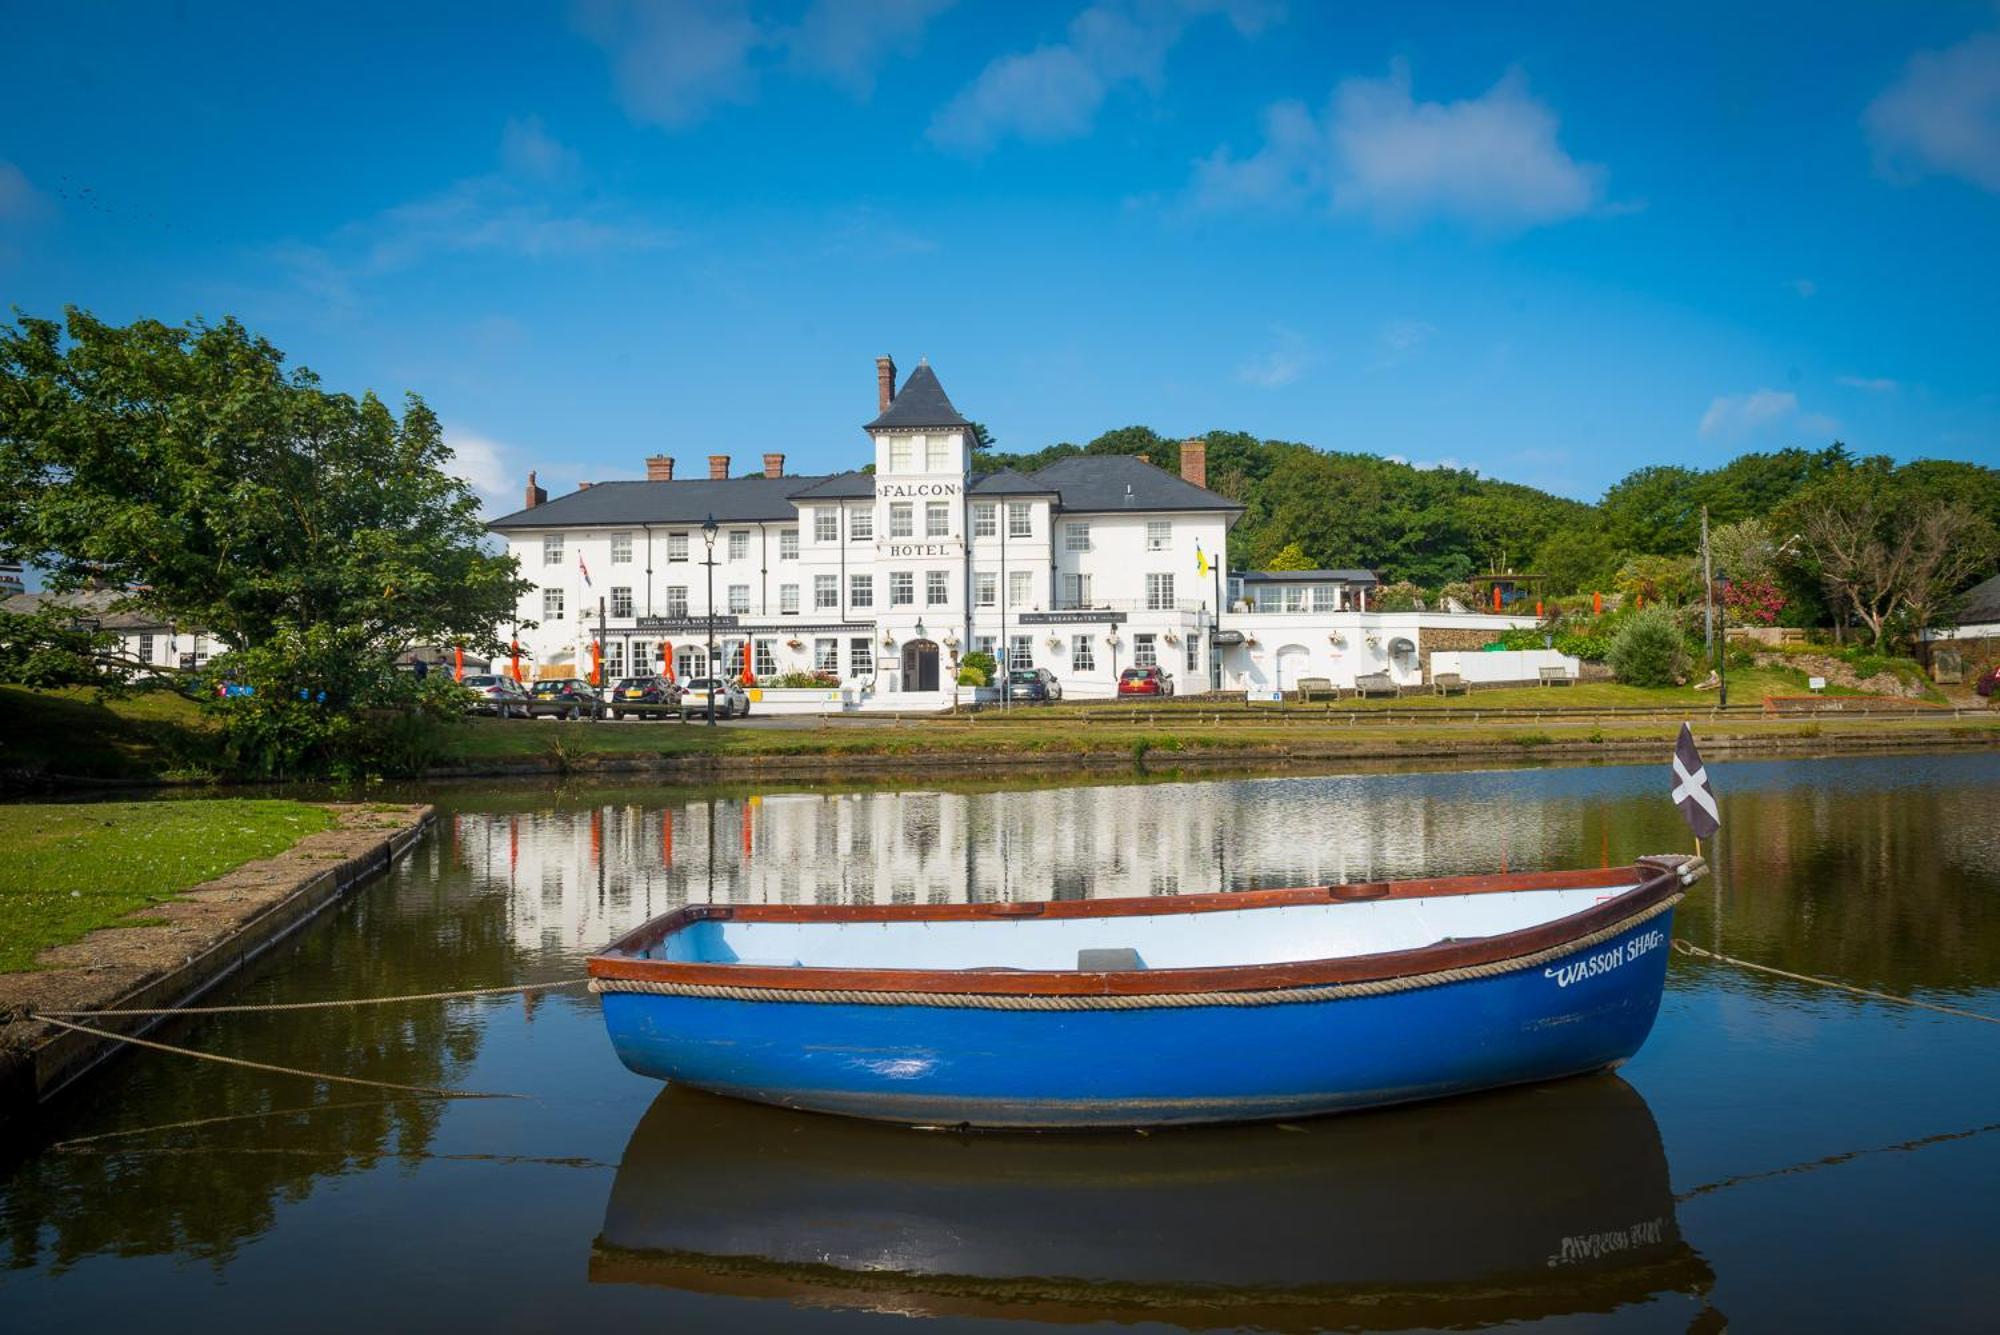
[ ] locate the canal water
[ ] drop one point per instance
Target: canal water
(1777, 1157)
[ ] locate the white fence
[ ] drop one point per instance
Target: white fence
(1502, 665)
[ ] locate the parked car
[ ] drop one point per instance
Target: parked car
(1145, 681)
(500, 696)
(565, 697)
(1038, 684)
(646, 695)
(730, 701)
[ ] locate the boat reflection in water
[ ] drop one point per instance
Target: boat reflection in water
(1526, 1203)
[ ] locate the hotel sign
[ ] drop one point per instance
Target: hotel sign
(950, 548)
(1083, 618)
(899, 490)
(685, 625)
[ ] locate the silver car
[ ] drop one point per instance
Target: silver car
(730, 701)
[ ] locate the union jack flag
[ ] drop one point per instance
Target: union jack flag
(584, 568)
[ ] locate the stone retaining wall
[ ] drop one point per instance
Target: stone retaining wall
(203, 936)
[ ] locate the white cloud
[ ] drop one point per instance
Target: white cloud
(1289, 357)
(1943, 116)
(1493, 161)
(1732, 415)
(482, 462)
(19, 200)
(1873, 384)
(1403, 335)
(1054, 91)
(532, 207)
(674, 61)
(848, 42)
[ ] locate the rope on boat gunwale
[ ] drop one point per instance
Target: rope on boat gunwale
(1690, 948)
(1285, 996)
(423, 1091)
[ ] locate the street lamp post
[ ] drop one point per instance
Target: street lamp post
(708, 530)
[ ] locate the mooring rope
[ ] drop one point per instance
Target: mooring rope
(32, 1014)
(427, 1091)
(1285, 996)
(1690, 948)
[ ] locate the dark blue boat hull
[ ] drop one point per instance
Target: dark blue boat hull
(928, 1065)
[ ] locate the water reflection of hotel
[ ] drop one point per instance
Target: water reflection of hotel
(577, 878)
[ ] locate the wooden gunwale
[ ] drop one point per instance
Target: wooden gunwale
(1656, 881)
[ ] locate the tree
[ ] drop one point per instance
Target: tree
(1655, 511)
(982, 439)
(314, 534)
(1889, 550)
(1744, 551)
(1290, 557)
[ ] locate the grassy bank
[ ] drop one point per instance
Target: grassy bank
(72, 868)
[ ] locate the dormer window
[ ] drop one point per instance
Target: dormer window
(937, 457)
(900, 448)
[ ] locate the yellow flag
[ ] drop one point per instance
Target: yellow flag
(1200, 560)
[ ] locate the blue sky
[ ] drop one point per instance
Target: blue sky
(1554, 242)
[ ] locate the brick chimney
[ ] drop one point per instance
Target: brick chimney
(718, 467)
(583, 486)
(536, 495)
(774, 465)
(885, 383)
(659, 468)
(1194, 461)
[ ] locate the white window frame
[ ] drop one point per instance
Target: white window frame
(861, 591)
(677, 546)
(1076, 536)
(826, 654)
(902, 588)
(764, 657)
(739, 599)
(860, 656)
(788, 599)
(937, 453)
(985, 519)
(552, 549)
(614, 660)
(937, 588)
(1021, 652)
(899, 453)
(826, 524)
(985, 588)
(677, 600)
(1020, 588)
(861, 526)
(739, 544)
(788, 544)
(621, 549)
(1160, 591)
(1020, 520)
(1082, 654)
(902, 519)
(937, 519)
(1076, 590)
(1159, 534)
(1145, 650)
(621, 600)
(826, 592)
(552, 604)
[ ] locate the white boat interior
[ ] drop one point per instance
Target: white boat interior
(1335, 929)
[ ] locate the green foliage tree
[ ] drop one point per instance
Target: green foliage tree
(314, 534)
(1576, 559)
(1649, 650)
(1291, 556)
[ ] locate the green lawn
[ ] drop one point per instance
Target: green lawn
(73, 867)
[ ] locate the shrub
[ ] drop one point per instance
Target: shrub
(798, 681)
(1461, 591)
(1649, 650)
(1402, 596)
(970, 676)
(981, 661)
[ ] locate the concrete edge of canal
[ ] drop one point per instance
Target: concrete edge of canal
(189, 945)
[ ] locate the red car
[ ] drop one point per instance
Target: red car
(1145, 681)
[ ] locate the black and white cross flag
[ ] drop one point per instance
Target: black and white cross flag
(1692, 793)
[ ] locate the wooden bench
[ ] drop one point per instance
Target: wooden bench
(1313, 688)
(1448, 683)
(1556, 676)
(1376, 683)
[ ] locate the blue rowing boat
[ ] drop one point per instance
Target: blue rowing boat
(1198, 1008)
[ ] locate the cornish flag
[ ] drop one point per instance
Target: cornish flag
(1692, 793)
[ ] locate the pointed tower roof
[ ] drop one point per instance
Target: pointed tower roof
(920, 403)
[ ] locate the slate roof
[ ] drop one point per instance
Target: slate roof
(1110, 483)
(95, 603)
(1305, 576)
(921, 402)
(853, 485)
(734, 500)
(1982, 604)
(1009, 482)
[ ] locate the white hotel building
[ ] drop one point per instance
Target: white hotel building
(883, 580)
